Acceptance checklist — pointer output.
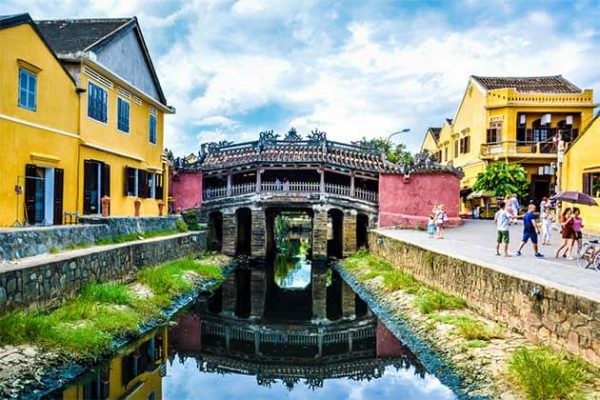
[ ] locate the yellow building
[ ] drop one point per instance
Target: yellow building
(120, 113)
(512, 120)
(136, 374)
(39, 128)
(581, 172)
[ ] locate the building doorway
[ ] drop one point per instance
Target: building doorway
(540, 187)
(43, 195)
(96, 184)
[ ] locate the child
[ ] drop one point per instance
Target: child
(547, 221)
(440, 218)
(431, 226)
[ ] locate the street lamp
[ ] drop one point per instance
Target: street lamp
(397, 133)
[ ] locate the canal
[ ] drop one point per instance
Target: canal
(220, 348)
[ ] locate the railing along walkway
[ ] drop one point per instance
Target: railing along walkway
(292, 187)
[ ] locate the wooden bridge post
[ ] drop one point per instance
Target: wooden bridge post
(349, 232)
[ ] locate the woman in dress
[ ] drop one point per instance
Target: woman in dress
(567, 233)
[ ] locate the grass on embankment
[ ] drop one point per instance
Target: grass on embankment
(85, 326)
(544, 374)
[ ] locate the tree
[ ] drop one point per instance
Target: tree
(394, 153)
(503, 179)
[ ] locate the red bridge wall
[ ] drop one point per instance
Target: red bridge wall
(186, 189)
(408, 202)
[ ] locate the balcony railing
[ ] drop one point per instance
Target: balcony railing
(518, 147)
(291, 187)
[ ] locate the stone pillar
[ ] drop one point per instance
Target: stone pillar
(349, 232)
(228, 296)
(352, 185)
(319, 291)
(258, 234)
(319, 244)
(229, 233)
(229, 184)
(348, 302)
(257, 292)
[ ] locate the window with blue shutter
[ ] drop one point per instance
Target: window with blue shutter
(97, 103)
(152, 132)
(27, 89)
(122, 115)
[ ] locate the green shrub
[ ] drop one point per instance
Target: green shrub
(545, 375)
(54, 250)
(181, 225)
(398, 280)
(431, 300)
(107, 293)
(477, 344)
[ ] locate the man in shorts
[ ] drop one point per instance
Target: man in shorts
(502, 219)
(530, 231)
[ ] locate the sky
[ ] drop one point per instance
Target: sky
(353, 68)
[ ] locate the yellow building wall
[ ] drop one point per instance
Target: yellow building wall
(135, 145)
(429, 144)
(31, 137)
(584, 156)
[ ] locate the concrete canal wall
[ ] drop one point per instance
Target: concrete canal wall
(542, 314)
(16, 243)
(46, 282)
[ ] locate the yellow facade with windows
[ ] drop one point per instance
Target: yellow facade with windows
(513, 125)
(59, 158)
(581, 172)
(45, 137)
(134, 374)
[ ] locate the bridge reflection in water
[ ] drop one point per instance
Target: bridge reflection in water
(293, 328)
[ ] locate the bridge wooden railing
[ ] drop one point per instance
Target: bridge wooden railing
(291, 187)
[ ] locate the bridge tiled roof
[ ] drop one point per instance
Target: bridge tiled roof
(294, 150)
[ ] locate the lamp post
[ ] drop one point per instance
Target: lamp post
(397, 133)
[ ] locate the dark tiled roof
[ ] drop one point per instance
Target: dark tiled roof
(435, 132)
(294, 152)
(529, 84)
(73, 35)
(11, 20)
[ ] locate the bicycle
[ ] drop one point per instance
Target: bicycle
(588, 255)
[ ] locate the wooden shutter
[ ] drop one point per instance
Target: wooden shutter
(467, 144)
(105, 176)
(529, 135)
(158, 192)
(142, 184)
(88, 171)
(587, 184)
(59, 178)
(30, 175)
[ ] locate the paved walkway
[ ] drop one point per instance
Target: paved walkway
(475, 242)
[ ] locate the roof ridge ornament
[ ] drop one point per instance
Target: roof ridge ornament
(292, 136)
(317, 136)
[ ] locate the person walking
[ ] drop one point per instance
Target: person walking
(440, 218)
(578, 227)
(502, 219)
(544, 205)
(547, 218)
(531, 231)
(515, 206)
(567, 234)
(431, 226)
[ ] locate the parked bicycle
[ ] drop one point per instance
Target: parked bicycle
(588, 255)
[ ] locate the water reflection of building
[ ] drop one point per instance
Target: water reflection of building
(272, 351)
(134, 374)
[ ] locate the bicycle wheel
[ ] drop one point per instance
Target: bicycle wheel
(597, 262)
(581, 252)
(584, 258)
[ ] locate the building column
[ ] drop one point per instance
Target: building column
(352, 185)
(228, 184)
(322, 180)
(348, 301)
(257, 292)
(258, 179)
(319, 290)
(258, 233)
(349, 232)
(319, 244)
(228, 296)
(229, 233)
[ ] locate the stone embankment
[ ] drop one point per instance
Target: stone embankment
(45, 282)
(17, 243)
(540, 313)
